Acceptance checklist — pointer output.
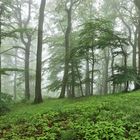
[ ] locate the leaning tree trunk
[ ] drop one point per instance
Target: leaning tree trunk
(38, 94)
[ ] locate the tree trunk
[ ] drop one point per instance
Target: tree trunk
(112, 71)
(78, 73)
(26, 40)
(87, 84)
(134, 60)
(92, 72)
(67, 53)
(137, 86)
(15, 77)
(105, 71)
(73, 79)
(27, 66)
(38, 94)
(0, 58)
(0, 41)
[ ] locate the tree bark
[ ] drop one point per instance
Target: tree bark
(67, 53)
(38, 94)
(87, 84)
(73, 80)
(92, 72)
(1, 10)
(27, 67)
(78, 73)
(15, 77)
(112, 71)
(137, 4)
(105, 71)
(26, 40)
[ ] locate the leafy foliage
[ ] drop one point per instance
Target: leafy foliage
(5, 100)
(108, 117)
(5, 70)
(123, 74)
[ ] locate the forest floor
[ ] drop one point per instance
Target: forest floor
(111, 117)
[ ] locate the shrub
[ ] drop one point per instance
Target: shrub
(5, 101)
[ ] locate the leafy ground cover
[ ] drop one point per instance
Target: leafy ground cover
(111, 117)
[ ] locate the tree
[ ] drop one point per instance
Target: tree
(1, 10)
(25, 35)
(68, 7)
(137, 3)
(38, 94)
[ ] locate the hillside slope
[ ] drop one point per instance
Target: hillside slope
(109, 117)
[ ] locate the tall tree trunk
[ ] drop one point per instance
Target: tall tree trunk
(87, 84)
(137, 86)
(27, 66)
(78, 73)
(73, 79)
(105, 71)
(26, 40)
(38, 94)
(125, 66)
(127, 82)
(137, 3)
(92, 72)
(0, 56)
(67, 53)
(1, 10)
(112, 71)
(15, 77)
(134, 58)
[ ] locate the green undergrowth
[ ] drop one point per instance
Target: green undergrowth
(111, 117)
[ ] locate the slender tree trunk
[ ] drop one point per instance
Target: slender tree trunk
(38, 94)
(78, 73)
(92, 72)
(125, 65)
(67, 53)
(127, 82)
(137, 86)
(134, 59)
(87, 84)
(27, 66)
(0, 58)
(0, 41)
(112, 71)
(73, 79)
(26, 40)
(105, 71)
(15, 77)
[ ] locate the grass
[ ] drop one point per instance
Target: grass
(89, 118)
